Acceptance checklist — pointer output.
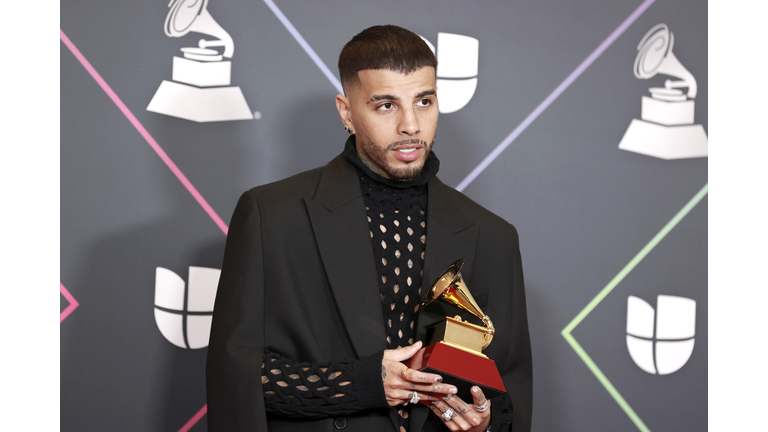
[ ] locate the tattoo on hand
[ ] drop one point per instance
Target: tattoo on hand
(383, 372)
(435, 388)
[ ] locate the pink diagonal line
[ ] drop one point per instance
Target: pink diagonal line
(73, 304)
(196, 418)
(151, 141)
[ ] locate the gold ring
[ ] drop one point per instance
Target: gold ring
(405, 371)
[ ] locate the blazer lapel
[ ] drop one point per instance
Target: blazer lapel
(450, 236)
(338, 217)
(337, 212)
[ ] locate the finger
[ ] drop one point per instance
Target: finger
(467, 412)
(398, 391)
(456, 414)
(416, 376)
(463, 409)
(395, 372)
(451, 425)
(406, 397)
(403, 397)
(426, 396)
(442, 389)
(456, 403)
(480, 401)
(402, 353)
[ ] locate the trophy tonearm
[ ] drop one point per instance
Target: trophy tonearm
(450, 287)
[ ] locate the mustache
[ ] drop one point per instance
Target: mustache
(407, 141)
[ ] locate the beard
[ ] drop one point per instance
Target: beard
(377, 156)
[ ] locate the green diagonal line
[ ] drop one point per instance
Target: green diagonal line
(607, 384)
(607, 290)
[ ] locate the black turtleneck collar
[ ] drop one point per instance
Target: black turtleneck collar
(431, 166)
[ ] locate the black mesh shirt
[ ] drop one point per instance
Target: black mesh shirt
(397, 214)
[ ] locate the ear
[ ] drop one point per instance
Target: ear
(345, 109)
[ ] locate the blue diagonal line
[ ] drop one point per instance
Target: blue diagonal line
(554, 95)
(312, 54)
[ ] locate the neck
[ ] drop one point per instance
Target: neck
(371, 166)
(428, 171)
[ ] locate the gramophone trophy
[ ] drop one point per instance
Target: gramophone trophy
(454, 346)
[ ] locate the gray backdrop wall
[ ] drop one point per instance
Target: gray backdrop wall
(604, 231)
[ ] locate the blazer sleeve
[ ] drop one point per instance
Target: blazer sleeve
(511, 411)
(320, 390)
(233, 368)
(519, 364)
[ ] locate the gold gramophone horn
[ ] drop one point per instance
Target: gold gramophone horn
(450, 287)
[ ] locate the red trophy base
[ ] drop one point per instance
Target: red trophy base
(460, 368)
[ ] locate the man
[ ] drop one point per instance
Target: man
(318, 310)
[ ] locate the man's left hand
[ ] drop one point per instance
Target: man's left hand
(461, 416)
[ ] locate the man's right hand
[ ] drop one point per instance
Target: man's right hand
(400, 382)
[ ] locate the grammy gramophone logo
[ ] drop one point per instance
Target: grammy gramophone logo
(666, 129)
(200, 88)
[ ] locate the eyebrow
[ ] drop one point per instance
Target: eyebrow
(426, 93)
(376, 98)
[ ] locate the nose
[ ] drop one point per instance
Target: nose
(409, 124)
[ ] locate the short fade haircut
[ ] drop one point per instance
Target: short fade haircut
(384, 47)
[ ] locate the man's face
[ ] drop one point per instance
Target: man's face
(394, 117)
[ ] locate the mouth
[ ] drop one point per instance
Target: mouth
(409, 152)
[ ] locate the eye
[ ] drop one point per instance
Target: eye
(386, 106)
(424, 102)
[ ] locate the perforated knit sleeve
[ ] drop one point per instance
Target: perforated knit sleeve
(314, 391)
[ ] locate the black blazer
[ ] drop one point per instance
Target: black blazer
(299, 277)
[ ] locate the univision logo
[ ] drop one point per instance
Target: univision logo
(184, 315)
(661, 341)
(457, 59)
